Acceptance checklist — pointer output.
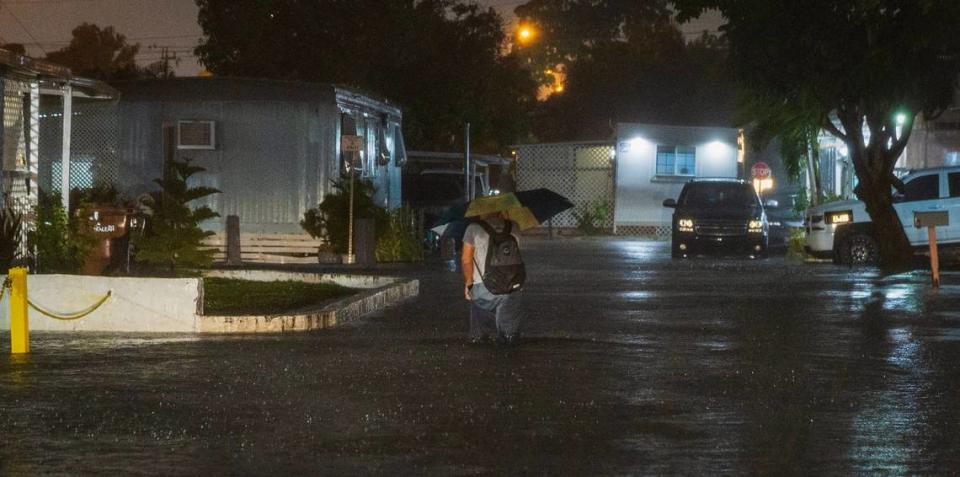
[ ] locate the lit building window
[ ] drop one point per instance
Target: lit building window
(676, 160)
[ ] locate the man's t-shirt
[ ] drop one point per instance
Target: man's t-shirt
(476, 236)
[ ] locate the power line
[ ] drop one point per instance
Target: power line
(41, 2)
(15, 17)
(138, 38)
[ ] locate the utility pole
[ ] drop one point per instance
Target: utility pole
(467, 180)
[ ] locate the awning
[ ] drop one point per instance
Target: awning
(52, 76)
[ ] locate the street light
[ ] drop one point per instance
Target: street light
(526, 33)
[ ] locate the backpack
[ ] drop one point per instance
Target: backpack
(503, 268)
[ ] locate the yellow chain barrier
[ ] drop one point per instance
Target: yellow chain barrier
(57, 316)
(70, 316)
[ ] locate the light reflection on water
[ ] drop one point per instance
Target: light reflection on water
(890, 415)
(92, 341)
(637, 295)
(635, 364)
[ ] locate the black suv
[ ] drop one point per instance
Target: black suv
(714, 215)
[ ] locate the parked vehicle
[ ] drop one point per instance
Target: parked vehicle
(782, 221)
(718, 215)
(842, 231)
(431, 192)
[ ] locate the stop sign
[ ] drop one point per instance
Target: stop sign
(760, 170)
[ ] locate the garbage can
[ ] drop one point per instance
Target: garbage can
(110, 227)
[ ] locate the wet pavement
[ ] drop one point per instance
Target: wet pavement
(633, 364)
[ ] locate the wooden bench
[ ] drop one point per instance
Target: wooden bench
(268, 248)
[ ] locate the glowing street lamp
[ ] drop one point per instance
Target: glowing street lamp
(526, 33)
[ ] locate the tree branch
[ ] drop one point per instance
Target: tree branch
(833, 129)
(900, 144)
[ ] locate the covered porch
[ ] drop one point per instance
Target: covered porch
(39, 105)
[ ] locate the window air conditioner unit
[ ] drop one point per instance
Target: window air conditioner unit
(196, 135)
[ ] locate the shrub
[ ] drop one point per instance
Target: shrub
(399, 242)
(102, 194)
(802, 202)
(173, 239)
(57, 243)
(11, 229)
(590, 217)
(795, 244)
(330, 220)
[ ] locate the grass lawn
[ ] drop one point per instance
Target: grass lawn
(231, 297)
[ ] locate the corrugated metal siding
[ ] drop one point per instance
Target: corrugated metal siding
(268, 162)
(274, 159)
(265, 170)
(141, 146)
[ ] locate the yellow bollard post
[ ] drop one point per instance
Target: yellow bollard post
(19, 327)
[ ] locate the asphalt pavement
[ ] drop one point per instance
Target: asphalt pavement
(632, 363)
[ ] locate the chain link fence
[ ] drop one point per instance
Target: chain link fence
(94, 140)
(582, 172)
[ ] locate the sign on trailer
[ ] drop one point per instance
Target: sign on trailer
(351, 143)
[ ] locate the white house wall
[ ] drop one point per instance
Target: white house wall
(640, 192)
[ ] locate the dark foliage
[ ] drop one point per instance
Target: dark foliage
(99, 53)
(620, 61)
(11, 227)
(440, 60)
(331, 219)
(58, 244)
(572, 30)
(173, 238)
(676, 83)
(846, 67)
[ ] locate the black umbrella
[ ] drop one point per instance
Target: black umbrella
(453, 223)
(542, 203)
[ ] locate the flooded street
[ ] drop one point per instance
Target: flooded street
(632, 364)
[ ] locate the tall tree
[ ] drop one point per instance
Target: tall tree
(565, 31)
(672, 83)
(441, 60)
(853, 68)
(99, 53)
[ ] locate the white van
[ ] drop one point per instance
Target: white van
(842, 231)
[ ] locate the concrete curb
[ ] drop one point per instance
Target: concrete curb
(382, 292)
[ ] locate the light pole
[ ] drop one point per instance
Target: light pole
(351, 145)
(351, 257)
(467, 180)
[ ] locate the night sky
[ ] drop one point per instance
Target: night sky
(45, 25)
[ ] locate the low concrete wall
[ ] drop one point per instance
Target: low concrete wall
(174, 305)
(349, 281)
(379, 293)
(151, 305)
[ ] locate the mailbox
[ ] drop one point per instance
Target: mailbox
(933, 218)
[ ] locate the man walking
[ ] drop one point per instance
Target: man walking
(491, 314)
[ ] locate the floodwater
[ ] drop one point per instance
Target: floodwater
(633, 364)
